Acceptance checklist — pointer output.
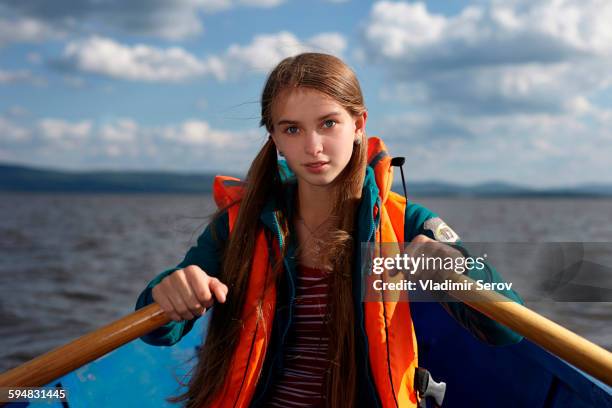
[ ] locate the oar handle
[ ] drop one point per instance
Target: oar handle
(64, 359)
(587, 356)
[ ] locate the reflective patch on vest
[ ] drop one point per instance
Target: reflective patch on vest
(440, 230)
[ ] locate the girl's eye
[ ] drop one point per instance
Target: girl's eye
(292, 130)
(329, 123)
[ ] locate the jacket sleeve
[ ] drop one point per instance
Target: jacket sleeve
(207, 255)
(484, 328)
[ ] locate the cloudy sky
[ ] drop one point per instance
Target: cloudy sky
(468, 91)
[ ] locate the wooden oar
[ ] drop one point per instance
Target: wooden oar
(64, 359)
(578, 351)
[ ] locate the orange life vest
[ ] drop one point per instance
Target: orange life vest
(388, 324)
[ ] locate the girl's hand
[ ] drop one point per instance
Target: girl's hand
(187, 293)
(422, 245)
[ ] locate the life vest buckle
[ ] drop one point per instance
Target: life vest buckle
(427, 387)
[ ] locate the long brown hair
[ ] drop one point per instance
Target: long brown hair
(331, 76)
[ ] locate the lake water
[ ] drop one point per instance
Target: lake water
(71, 263)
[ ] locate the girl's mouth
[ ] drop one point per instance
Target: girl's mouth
(316, 167)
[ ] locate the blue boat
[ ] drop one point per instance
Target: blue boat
(476, 374)
(479, 375)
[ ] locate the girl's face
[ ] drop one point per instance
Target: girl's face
(315, 134)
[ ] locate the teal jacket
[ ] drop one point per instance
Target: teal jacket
(207, 253)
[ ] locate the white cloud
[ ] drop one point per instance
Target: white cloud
(214, 6)
(533, 149)
(11, 132)
(397, 28)
(198, 133)
(65, 134)
(190, 145)
(21, 30)
(331, 43)
(263, 52)
(261, 3)
(583, 24)
(499, 57)
(141, 62)
(123, 130)
(544, 32)
(267, 50)
(34, 20)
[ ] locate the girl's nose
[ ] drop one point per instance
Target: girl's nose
(313, 143)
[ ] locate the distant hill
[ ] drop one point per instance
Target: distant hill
(500, 189)
(24, 178)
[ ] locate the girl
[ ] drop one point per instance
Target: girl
(281, 261)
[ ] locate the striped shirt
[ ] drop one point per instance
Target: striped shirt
(302, 382)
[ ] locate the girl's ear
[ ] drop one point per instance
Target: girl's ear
(360, 123)
(273, 138)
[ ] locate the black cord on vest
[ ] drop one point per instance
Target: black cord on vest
(399, 162)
